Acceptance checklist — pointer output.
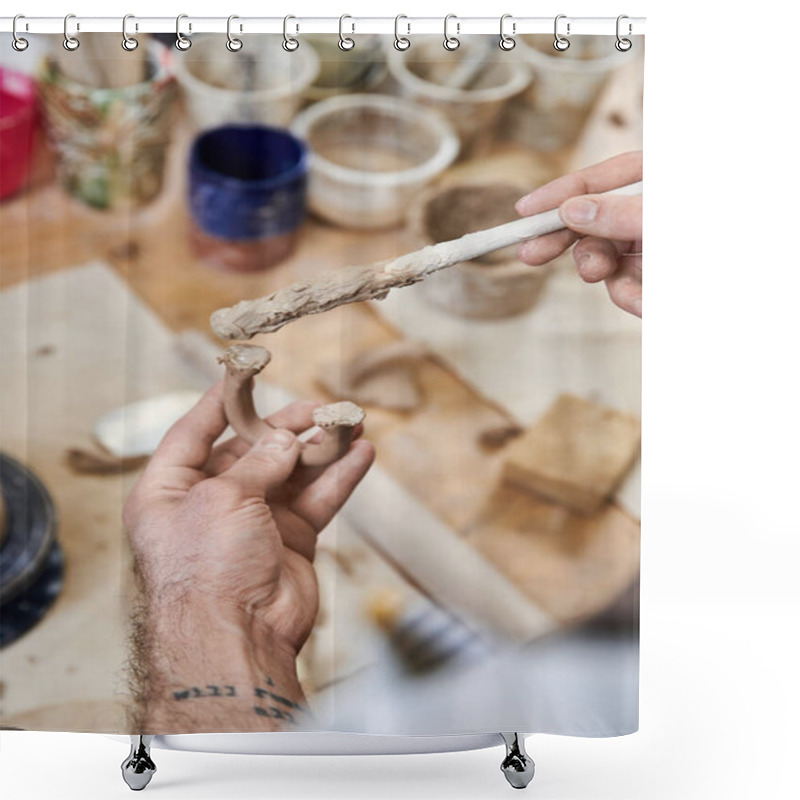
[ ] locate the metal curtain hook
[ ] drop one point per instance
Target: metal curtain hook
(401, 42)
(70, 42)
(507, 42)
(128, 42)
(623, 45)
(561, 43)
(181, 42)
(451, 42)
(18, 43)
(290, 44)
(345, 42)
(233, 44)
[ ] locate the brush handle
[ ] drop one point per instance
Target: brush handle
(374, 281)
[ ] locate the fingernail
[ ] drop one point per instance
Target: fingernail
(521, 204)
(278, 440)
(584, 260)
(579, 211)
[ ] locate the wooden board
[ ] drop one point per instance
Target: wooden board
(544, 548)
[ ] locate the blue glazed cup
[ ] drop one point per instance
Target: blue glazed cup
(247, 195)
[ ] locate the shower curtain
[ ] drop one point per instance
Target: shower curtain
(437, 529)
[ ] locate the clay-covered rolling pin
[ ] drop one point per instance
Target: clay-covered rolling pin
(373, 281)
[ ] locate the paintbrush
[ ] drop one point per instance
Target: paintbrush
(423, 635)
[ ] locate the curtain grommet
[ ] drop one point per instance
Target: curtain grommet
(451, 43)
(560, 43)
(507, 43)
(290, 43)
(70, 43)
(19, 43)
(623, 44)
(401, 43)
(129, 43)
(233, 44)
(346, 42)
(182, 42)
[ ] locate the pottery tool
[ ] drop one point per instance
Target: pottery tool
(374, 281)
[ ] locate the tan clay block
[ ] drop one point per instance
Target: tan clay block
(576, 454)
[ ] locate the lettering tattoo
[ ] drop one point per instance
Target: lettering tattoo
(209, 691)
(275, 713)
(262, 693)
(195, 692)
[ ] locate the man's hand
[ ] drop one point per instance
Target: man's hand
(609, 228)
(224, 539)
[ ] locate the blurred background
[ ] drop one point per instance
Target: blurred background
(142, 190)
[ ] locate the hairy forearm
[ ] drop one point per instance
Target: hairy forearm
(202, 670)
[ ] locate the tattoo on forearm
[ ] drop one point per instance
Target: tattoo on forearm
(194, 692)
(275, 713)
(210, 691)
(262, 693)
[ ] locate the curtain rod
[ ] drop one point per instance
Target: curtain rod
(408, 26)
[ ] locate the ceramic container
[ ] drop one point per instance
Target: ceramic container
(495, 286)
(17, 128)
(345, 71)
(110, 143)
(247, 189)
(259, 84)
(566, 85)
(370, 155)
(470, 85)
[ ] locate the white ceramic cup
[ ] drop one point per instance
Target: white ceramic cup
(370, 155)
(423, 71)
(259, 84)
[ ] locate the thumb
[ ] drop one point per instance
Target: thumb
(267, 464)
(605, 215)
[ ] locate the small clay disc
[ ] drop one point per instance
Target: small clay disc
(335, 414)
(245, 358)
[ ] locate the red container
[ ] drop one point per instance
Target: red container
(17, 126)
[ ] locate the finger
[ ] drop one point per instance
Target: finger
(542, 249)
(266, 465)
(318, 502)
(609, 216)
(625, 289)
(296, 534)
(596, 259)
(296, 417)
(189, 441)
(610, 174)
